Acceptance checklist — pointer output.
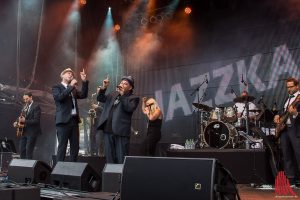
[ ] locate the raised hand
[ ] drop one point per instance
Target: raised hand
(144, 99)
(105, 82)
(83, 75)
(73, 82)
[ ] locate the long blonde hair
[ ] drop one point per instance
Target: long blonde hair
(153, 106)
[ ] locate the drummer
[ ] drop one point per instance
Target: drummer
(240, 106)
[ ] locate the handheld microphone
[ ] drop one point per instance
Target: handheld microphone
(206, 80)
(150, 104)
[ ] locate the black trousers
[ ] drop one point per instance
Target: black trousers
(116, 148)
(68, 132)
(290, 145)
(27, 144)
(151, 141)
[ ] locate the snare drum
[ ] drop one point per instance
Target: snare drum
(229, 115)
(216, 114)
(218, 134)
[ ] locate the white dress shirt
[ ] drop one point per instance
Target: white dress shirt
(73, 112)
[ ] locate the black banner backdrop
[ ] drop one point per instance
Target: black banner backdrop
(260, 49)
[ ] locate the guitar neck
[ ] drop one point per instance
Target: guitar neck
(286, 115)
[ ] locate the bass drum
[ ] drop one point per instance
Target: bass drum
(218, 134)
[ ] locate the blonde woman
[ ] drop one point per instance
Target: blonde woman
(151, 109)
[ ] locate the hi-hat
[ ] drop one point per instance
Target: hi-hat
(202, 106)
(243, 99)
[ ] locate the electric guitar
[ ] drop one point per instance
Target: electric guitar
(281, 125)
(20, 125)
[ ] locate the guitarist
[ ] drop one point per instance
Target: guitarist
(290, 135)
(32, 129)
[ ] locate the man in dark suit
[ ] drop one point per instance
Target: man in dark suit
(115, 120)
(30, 118)
(67, 115)
(290, 136)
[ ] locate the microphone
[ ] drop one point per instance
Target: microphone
(242, 81)
(206, 80)
(261, 99)
(150, 105)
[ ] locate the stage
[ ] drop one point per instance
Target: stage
(246, 192)
(249, 167)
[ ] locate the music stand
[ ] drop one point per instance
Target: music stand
(7, 148)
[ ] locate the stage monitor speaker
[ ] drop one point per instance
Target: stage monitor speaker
(75, 175)
(17, 192)
(111, 177)
(175, 178)
(29, 171)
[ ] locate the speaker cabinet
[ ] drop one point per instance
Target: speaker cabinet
(12, 192)
(111, 177)
(29, 171)
(175, 178)
(75, 175)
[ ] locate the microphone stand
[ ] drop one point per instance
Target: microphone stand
(197, 89)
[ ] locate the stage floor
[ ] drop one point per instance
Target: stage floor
(246, 193)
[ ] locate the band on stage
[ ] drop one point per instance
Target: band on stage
(219, 127)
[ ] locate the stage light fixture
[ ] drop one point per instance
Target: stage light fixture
(144, 21)
(82, 2)
(188, 10)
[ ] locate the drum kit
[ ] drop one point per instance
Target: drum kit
(222, 127)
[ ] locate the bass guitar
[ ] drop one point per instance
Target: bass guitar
(281, 125)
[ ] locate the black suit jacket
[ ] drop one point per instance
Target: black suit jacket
(121, 118)
(296, 123)
(32, 121)
(63, 101)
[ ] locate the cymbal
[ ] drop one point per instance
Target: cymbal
(254, 110)
(202, 106)
(243, 99)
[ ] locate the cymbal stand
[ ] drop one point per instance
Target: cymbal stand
(247, 117)
(200, 139)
